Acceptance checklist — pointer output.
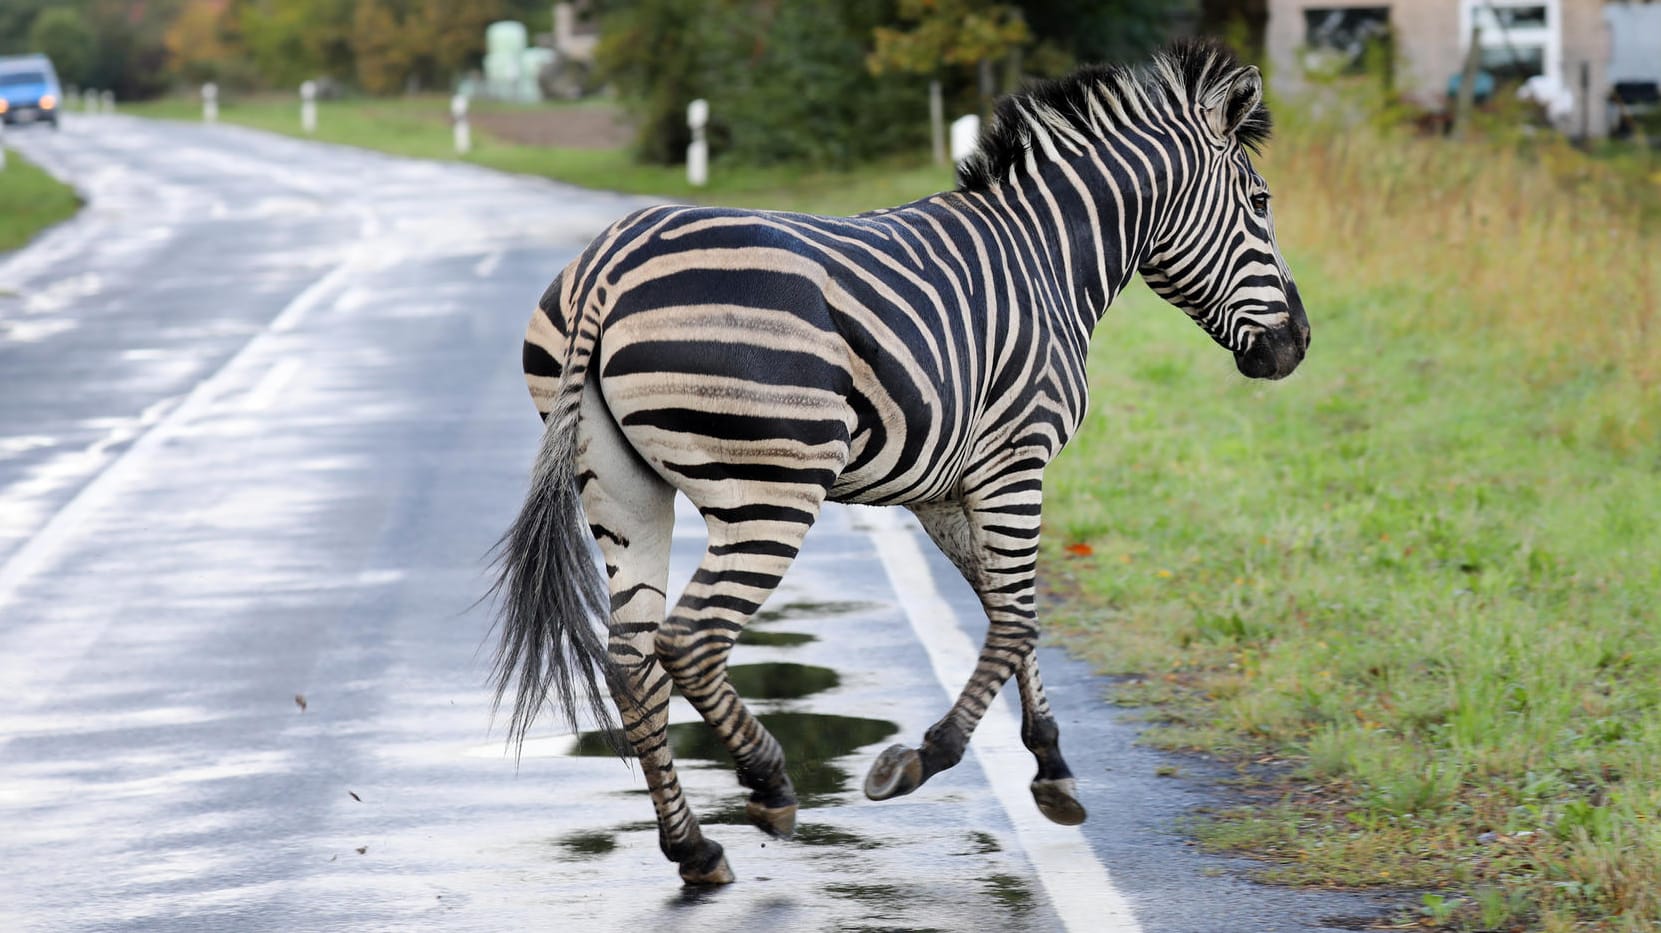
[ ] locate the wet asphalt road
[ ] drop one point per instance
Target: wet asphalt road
(261, 418)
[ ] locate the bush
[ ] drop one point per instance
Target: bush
(785, 82)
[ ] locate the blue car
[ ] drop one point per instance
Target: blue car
(29, 90)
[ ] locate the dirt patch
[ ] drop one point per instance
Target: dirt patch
(563, 127)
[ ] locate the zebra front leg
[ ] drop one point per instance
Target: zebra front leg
(1054, 788)
(1001, 573)
(995, 548)
(747, 556)
(631, 512)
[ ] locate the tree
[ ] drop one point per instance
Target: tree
(62, 34)
(16, 19)
(663, 54)
(947, 33)
(382, 60)
(802, 95)
(1104, 30)
(290, 41)
(197, 48)
(445, 38)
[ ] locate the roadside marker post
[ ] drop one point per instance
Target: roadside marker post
(458, 114)
(697, 154)
(89, 101)
(210, 103)
(965, 137)
(2, 146)
(308, 106)
(109, 101)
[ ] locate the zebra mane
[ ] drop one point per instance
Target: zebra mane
(1070, 109)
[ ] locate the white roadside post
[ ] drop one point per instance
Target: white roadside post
(89, 101)
(308, 106)
(210, 103)
(697, 154)
(2, 145)
(458, 113)
(965, 137)
(109, 101)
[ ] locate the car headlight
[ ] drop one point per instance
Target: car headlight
(47, 102)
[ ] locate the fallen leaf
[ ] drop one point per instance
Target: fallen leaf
(1080, 549)
(300, 701)
(355, 796)
(362, 850)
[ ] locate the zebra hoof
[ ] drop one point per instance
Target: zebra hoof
(898, 770)
(707, 866)
(1058, 801)
(778, 822)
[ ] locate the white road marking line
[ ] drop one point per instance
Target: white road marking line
(271, 385)
(28, 681)
(1076, 881)
(488, 264)
(302, 305)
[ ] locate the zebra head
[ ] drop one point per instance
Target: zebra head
(1215, 256)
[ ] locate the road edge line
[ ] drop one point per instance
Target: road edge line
(1087, 901)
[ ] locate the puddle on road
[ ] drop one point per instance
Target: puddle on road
(809, 609)
(781, 680)
(812, 741)
(587, 845)
(754, 636)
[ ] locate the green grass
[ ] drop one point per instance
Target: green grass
(1419, 580)
(419, 127)
(30, 201)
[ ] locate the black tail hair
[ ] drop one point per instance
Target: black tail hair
(553, 601)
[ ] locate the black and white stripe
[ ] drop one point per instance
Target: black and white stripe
(930, 356)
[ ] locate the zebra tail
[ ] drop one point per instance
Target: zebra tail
(552, 599)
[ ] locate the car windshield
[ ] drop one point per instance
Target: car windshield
(14, 78)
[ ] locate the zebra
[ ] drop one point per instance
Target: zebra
(930, 356)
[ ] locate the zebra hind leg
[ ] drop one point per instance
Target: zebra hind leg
(750, 547)
(630, 510)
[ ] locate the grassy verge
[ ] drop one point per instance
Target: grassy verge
(419, 127)
(30, 201)
(1418, 583)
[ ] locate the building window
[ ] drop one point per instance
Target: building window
(1520, 39)
(1336, 39)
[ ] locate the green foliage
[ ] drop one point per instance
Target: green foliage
(663, 54)
(380, 59)
(1101, 30)
(131, 55)
(63, 34)
(805, 98)
(785, 82)
(290, 41)
(16, 17)
(945, 34)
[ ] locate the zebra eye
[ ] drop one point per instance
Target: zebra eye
(1260, 204)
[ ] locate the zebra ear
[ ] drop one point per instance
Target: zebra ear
(1230, 102)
